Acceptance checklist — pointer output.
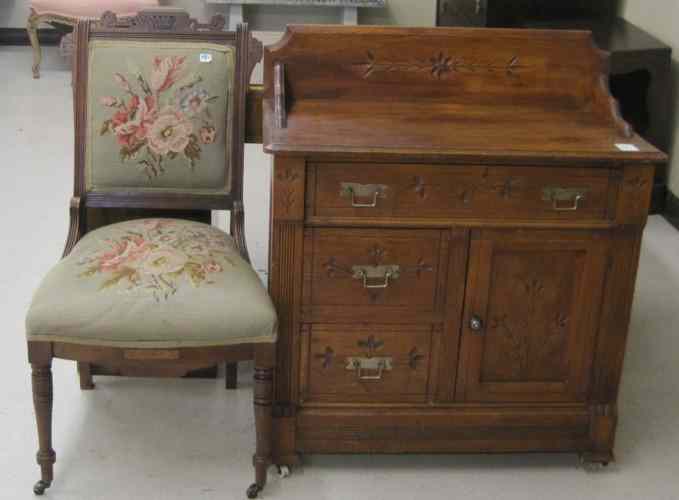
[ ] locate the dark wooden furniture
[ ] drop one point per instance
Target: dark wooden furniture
(91, 209)
(457, 216)
(504, 13)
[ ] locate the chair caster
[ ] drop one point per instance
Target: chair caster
(284, 471)
(253, 490)
(40, 487)
(594, 466)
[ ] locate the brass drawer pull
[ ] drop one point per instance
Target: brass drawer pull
(353, 190)
(363, 205)
(360, 365)
(376, 276)
(558, 196)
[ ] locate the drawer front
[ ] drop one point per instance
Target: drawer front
(372, 271)
(355, 190)
(350, 363)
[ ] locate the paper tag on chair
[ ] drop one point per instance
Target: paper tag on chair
(205, 57)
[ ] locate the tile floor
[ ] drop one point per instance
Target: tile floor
(190, 439)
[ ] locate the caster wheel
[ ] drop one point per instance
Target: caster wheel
(253, 490)
(593, 462)
(594, 467)
(40, 487)
(284, 471)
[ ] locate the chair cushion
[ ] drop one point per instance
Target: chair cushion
(153, 283)
(91, 8)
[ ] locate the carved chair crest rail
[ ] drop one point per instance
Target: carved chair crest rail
(145, 287)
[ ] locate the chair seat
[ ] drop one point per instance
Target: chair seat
(153, 283)
(91, 8)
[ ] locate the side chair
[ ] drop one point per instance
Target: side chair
(159, 123)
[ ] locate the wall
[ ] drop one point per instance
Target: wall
(13, 13)
(659, 17)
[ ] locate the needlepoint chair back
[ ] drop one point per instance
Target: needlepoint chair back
(160, 112)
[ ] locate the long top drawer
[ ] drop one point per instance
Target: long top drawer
(390, 190)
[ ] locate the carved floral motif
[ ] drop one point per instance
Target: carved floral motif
(508, 188)
(327, 356)
(288, 177)
(371, 344)
(465, 192)
(377, 253)
(440, 66)
(515, 330)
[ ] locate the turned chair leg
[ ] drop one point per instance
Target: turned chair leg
(85, 374)
(231, 375)
(32, 28)
(263, 425)
(42, 400)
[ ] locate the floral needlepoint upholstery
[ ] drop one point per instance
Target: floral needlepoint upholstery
(160, 116)
(161, 282)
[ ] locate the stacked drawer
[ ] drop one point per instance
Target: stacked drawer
(371, 297)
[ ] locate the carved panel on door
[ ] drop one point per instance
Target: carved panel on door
(529, 310)
(529, 331)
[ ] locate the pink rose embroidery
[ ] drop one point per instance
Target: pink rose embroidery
(123, 253)
(169, 133)
(212, 267)
(131, 124)
(157, 256)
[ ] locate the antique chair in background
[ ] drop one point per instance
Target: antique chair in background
(159, 122)
(68, 12)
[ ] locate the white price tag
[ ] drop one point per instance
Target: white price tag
(627, 148)
(205, 57)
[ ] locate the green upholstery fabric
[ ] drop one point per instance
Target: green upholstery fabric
(153, 283)
(159, 116)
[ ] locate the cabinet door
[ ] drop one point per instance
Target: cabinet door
(531, 315)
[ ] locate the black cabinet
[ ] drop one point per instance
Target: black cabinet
(501, 13)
